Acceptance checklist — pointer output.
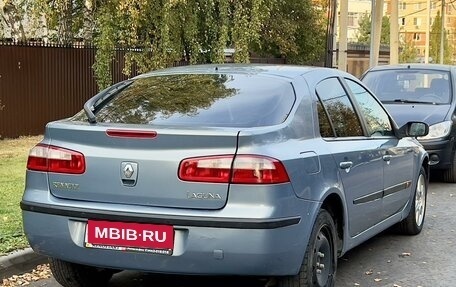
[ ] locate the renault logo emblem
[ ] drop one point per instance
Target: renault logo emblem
(128, 170)
(129, 173)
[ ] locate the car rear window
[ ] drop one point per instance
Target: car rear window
(417, 85)
(210, 100)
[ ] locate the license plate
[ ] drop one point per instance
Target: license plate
(124, 236)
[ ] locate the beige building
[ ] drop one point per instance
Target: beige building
(356, 10)
(414, 21)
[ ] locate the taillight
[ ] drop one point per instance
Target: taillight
(55, 159)
(246, 169)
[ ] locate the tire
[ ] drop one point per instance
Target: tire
(413, 223)
(75, 275)
(449, 175)
(320, 259)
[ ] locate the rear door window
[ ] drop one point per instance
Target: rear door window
(336, 107)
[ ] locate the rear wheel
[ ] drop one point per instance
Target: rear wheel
(449, 175)
(413, 223)
(320, 261)
(75, 275)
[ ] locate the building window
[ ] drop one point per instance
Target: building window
(402, 21)
(418, 6)
(351, 19)
(402, 5)
(416, 36)
(417, 22)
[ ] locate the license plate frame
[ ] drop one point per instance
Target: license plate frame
(129, 236)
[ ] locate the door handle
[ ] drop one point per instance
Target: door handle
(387, 157)
(346, 165)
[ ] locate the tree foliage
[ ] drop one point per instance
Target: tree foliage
(295, 30)
(408, 53)
(364, 31)
(156, 33)
(435, 41)
(13, 14)
(64, 20)
(199, 31)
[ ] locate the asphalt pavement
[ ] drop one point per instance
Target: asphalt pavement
(425, 260)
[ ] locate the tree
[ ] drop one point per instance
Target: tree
(295, 30)
(13, 16)
(2, 26)
(364, 30)
(155, 33)
(65, 20)
(435, 41)
(407, 52)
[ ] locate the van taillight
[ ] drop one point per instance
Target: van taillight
(55, 159)
(246, 169)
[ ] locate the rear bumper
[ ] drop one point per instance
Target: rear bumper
(203, 245)
(441, 152)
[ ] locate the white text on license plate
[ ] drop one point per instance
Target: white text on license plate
(143, 237)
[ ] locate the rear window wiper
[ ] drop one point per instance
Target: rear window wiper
(408, 102)
(91, 105)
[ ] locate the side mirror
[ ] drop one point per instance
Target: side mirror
(413, 129)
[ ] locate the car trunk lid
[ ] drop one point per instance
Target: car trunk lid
(125, 168)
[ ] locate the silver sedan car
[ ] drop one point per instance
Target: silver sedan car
(269, 171)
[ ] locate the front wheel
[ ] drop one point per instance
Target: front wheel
(449, 175)
(75, 275)
(413, 223)
(320, 260)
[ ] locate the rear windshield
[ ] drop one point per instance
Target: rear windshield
(416, 85)
(200, 100)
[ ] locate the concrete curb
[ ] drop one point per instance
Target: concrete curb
(19, 262)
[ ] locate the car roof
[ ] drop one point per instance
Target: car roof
(442, 67)
(275, 70)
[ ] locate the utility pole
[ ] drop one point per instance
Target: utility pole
(335, 50)
(442, 32)
(428, 33)
(343, 34)
(394, 33)
(376, 31)
(331, 35)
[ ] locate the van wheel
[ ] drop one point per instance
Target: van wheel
(449, 175)
(413, 223)
(75, 275)
(320, 260)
